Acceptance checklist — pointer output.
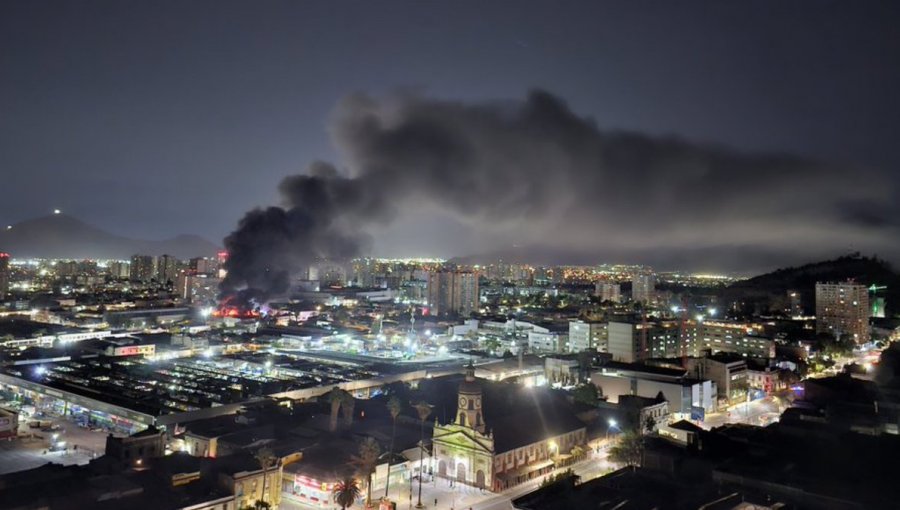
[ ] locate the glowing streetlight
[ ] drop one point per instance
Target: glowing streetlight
(613, 424)
(56, 211)
(712, 312)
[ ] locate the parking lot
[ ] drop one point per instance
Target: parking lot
(32, 448)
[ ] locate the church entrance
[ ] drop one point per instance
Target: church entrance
(461, 472)
(442, 468)
(479, 479)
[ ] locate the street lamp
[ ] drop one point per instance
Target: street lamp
(612, 424)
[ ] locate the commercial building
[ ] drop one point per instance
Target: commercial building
(587, 336)
(843, 309)
(746, 339)
(643, 288)
(544, 340)
(452, 292)
(635, 341)
(686, 395)
(729, 371)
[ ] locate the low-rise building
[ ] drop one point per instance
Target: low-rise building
(728, 371)
(685, 395)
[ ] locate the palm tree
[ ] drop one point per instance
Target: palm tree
(265, 457)
(336, 398)
(366, 461)
(394, 407)
(423, 409)
(346, 492)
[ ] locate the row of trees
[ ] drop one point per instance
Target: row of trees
(348, 490)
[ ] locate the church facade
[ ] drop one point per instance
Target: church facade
(467, 452)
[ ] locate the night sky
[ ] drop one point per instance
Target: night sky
(151, 119)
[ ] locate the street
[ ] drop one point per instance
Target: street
(758, 412)
(464, 497)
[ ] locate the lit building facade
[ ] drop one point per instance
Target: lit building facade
(452, 292)
(643, 288)
(465, 452)
(4, 275)
(587, 336)
(843, 309)
(608, 291)
(143, 268)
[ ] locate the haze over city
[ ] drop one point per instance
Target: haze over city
(732, 137)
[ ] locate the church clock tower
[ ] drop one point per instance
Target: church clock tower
(468, 413)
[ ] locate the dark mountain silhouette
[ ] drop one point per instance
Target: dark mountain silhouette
(62, 236)
(770, 290)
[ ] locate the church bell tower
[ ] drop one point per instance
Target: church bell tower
(468, 413)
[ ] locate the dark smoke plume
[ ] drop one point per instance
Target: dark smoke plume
(536, 169)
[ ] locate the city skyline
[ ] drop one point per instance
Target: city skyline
(206, 142)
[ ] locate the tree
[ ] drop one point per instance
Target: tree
(395, 407)
(586, 394)
(649, 425)
(423, 409)
(346, 492)
(265, 457)
(628, 450)
(551, 479)
(366, 461)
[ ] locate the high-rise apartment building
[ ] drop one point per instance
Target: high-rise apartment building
(452, 292)
(119, 269)
(795, 303)
(643, 288)
(204, 265)
(4, 275)
(843, 309)
(198, 289)
(143, 268)
(608, 291)
(167, 269)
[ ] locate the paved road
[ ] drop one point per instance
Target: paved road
(463, 497)
(758, 412)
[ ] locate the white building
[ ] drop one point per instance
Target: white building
(587, 336)
(683, 393)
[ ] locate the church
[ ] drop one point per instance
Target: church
(511, 449)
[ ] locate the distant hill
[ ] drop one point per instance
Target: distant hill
(62, 236)
(770, 289)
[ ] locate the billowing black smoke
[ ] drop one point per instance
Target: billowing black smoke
(536, 169)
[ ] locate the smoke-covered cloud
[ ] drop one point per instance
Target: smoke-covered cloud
(535, 172)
